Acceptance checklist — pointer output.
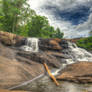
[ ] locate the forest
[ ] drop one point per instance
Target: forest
(17, 17)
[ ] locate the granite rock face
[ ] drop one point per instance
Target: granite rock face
(9, 38)
(80, 72)
(50, 44)
(41, 57)
(17, 66)
(14, 72)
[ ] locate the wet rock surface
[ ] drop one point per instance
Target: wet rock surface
(41, 57)
(18, 66)
(15, 69)
(13, 72)
(50, 44)
(45, 84)
(80, 72)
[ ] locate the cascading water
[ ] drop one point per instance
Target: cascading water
(79, 54)
(76, 54)
(31, 44)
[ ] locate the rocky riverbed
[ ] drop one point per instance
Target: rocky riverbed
(21, 64)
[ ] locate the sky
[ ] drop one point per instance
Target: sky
(73, 17)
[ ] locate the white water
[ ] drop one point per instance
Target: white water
(31, 45)
(77, 54)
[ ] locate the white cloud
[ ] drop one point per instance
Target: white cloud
(70, 30)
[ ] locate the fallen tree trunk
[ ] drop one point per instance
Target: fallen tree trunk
(52, 77)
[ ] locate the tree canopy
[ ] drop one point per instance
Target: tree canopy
(17, 17)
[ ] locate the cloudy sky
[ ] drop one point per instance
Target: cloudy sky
(73, 17)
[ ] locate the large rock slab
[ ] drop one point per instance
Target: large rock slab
(50, 44)
(9, 38)
(18, 66)
(13, 72)
(7, 52)
(80, 72)
(41, 57)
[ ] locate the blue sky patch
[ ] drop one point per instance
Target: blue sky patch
(75, 16)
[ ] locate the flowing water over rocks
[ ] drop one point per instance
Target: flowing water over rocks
(31, 44)
(21, 63)
(75, 53)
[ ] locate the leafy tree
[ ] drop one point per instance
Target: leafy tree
(1, 15)
(58, 34)
(40, 27)
(17, 17)
(15, 14)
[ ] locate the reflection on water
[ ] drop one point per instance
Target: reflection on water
(45, 84)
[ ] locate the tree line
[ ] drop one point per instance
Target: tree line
(17, 17)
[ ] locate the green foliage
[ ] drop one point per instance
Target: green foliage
(58, 34)
(85, 43)
(15, 13)
(17, 17)
(1, 15)
(40, 27)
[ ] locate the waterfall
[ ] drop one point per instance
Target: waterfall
(80, 54)
(76, 54)
(31, 44)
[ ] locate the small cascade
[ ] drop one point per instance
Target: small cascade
(76, 54)
(31, 44)
(79, 54)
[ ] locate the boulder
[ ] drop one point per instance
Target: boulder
(57, 40)
(50, 44)
(9, 38)
(55, 45)
(80, 72)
